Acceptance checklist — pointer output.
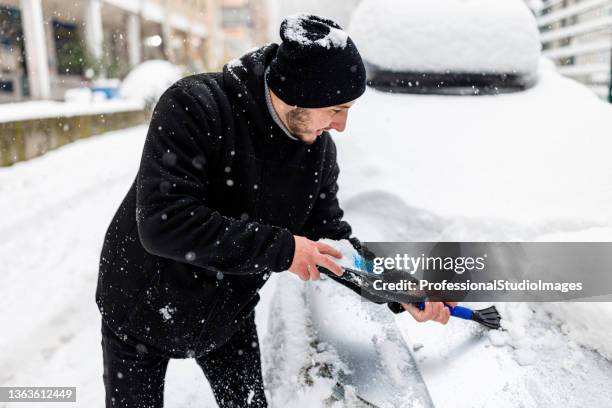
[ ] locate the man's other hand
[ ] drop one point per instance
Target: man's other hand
(309, 254)
(435, 311)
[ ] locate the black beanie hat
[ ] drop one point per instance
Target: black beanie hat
(316, 65)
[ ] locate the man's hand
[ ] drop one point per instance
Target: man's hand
(435, 311)
(308, 254)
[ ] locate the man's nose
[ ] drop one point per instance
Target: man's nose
(340, 123)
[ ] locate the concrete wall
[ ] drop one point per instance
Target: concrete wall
(25, 139)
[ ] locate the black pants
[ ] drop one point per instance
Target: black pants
(134, 376)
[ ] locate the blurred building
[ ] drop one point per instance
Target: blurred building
(577, 36)
(338, 10)
(48, 46)
(244, 26)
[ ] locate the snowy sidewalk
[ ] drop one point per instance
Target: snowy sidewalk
(10, 112)
(56, 210)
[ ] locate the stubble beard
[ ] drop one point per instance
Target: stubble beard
(297, 123)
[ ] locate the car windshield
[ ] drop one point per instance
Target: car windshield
(456, 47)
(446, 83)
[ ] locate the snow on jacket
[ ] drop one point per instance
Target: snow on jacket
(219, 193)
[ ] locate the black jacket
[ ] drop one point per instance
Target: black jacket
(220, 191)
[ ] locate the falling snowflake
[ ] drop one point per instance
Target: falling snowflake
(166, 312)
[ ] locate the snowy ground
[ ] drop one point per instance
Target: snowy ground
(56, 209)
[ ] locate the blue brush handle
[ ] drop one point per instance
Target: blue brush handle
(362, 264)
(456, 311)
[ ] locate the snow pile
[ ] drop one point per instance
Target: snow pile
(149, 80)
(525, 166)
(299, 371)
(53, 254)
(349, 254)
(295, 31)
(585, 323)
(369, 344)
(10, 112)
(447, 35)
(494, 169)
(531, 363)
(505, 167)
(555, 331)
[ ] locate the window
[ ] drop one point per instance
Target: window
(236, 16)
(70, 49)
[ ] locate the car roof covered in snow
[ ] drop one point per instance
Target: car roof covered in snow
(441, 36)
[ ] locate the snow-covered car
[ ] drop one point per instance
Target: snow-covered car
(467, 134)
(148, 80)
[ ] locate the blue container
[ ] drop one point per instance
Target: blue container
(108, 91)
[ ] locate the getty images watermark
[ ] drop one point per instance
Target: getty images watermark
(495, 271)
(458, 265)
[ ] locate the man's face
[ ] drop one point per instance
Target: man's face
(307, 124)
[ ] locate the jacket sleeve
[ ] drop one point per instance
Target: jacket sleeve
(172, 215)
(325, 219)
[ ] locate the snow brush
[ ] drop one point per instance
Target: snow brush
(488, 317)
(361, 273)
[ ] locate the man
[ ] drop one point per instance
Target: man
(237, 180)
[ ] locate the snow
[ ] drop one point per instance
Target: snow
(296, 32)
(517, 167)
(583, 323)
(290, 347)
(148, 80)
(10, 112)
(373, 356)
(498, 338)
(56, 224)
(167, 312)
(143, 85)
(335, 39)
(522, 166)
(447, 35)
(235, 63)
(58, 208)
(348, 252)
(533, 362)
(79, 95)
(513, 166)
